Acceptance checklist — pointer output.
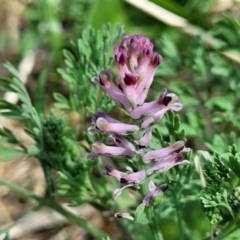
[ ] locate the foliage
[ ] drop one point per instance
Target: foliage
(220, 197)
(84, 62)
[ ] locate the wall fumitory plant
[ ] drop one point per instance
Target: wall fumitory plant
(128, 144)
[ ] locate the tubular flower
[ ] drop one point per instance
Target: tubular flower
(155, 110)
(104, 123)
(156, 155)
(126, 180)
(106, 82)
(137, 64)
(154, 193)
(173, 104)
(100, 149)
(121, 141)
(167, 163)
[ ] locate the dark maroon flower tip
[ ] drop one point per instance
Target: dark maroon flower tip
(121, 57)
(167, 100)
(147, 51)
(105, 76)
(130, 79)
(123, 181)
(164, 187)
(156, 59)
(178, 158)
(107, 170)
(179, 150)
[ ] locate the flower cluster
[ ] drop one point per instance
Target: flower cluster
(137, 64)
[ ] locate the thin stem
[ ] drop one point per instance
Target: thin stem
(54, 205)
(228, 229)
(73, 218)
(154, 224)
(153, 219)
(179, 216)
(21, 219)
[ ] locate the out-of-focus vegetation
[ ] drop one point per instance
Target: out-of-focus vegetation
(73, 45)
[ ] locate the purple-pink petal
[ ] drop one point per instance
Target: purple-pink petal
(105, 126)
(109, 170)
(112, 90)
(121, 141)
(151, 107)
(145, 139)
(118, 191)
(135, 177)
(153, 118)
(161, 153)
(166, 164)
(100, 149)
(126, 180)
(100, 113)
(146, 81)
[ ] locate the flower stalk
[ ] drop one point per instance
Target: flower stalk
(137, 64)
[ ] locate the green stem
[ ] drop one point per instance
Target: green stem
(153, 219)
(154, 224)
(21, 219)
(54, 205)
(228, 229)
(179, 216)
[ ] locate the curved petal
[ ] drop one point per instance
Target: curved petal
(121, 141)
(161, 153)
(105, 126)
(118, 191)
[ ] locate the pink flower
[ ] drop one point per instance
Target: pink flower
(104, 123)
(156, 155)
(100, 149)
(106, 82)
(154, 111)
(167, 163)
(121, 141)
(126, 180)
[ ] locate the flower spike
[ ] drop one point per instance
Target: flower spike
(137, 64)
